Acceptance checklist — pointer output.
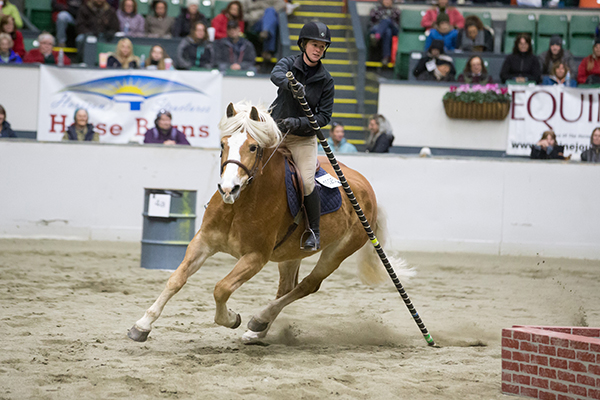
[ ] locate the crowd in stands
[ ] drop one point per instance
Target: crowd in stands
(217, 43)
(448, 32)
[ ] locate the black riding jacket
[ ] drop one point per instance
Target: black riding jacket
(319, 90)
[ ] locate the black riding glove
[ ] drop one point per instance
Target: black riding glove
(289, 124)
(298, 90)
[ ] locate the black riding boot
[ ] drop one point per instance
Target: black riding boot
(312, 204)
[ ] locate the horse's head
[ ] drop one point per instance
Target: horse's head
(245, 132)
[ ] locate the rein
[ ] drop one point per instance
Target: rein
(249, 172)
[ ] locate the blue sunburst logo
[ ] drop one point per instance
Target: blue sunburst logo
(132, 89)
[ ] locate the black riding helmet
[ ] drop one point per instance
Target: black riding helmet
(315, 31)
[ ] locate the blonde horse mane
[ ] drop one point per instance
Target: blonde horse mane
(265, 131)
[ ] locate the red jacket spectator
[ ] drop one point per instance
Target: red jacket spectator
(233, 11)
(36, 56)
(220, 24)
(456, 18)
(7, 25)
(584, 73)
(590, 66)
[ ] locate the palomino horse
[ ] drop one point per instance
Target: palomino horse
(249, 215)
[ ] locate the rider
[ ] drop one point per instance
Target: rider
(317, 86)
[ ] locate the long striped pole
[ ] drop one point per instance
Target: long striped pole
(390, 270)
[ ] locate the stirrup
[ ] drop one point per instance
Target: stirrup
(310, 234)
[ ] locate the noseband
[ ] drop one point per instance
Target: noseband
(250, 173)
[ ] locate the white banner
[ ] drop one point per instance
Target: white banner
(571, 113)
(122, 104)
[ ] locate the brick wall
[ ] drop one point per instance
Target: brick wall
(554, 363)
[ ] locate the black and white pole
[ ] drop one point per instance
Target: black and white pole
(390, 270)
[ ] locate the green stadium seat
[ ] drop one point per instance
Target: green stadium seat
(174, 9)
(584, 25)
(219, 5)
(206, 8)
(30, 43)
(581, 46)
(549, 25)
(408, 42)
(520, 23)
(143, 7)
(39, 13)
(485, 17)
(410, 20)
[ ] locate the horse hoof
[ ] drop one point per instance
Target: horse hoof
(256, 326)
(139, 335)
(238, 321)
(251, 337)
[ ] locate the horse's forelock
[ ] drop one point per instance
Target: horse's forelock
(265, 132)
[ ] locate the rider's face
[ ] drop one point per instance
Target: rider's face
(315, 50)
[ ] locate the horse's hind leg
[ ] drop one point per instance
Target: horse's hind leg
(195, 255)
(330, 260)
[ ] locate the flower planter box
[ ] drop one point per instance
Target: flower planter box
(478, 111)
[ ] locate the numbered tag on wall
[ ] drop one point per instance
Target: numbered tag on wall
(159, 205)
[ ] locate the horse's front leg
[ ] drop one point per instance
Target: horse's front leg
(196, 254)
(246, 267)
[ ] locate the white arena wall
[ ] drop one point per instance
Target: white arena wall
(94, 191)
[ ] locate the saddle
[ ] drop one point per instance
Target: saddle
(331, 198)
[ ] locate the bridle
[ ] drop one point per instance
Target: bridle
(250, 172)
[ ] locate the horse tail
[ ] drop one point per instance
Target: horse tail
(370, 268)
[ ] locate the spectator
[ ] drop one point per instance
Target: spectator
(380, 137)
(589, 69)
(444, 32)
(560, 75)
(164, 132)
(475, 72)
(44, 53)
(385, 23)
(195, 50)
(456, 18)
(435, 65)
(7, 25)
(159, 24)
(233, 12)
(96, 18)
(591, 155)
(555, 54)
(474, 37)
(5, 129)
(234, 52)
(132, 23)
(522, 65)
(186, 19)
(6, 8)
(263, 21)
(337, 141)
(547, 148)
(81, 129)
(123, 57)
(64, 13)
(7, 55)
(157, 57)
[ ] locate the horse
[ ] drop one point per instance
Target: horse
(248, 217)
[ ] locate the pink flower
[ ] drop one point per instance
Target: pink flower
(464, 88)
(453, 88)
(504, 90)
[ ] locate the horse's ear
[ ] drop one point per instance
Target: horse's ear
(230, 110)
(254, 114)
